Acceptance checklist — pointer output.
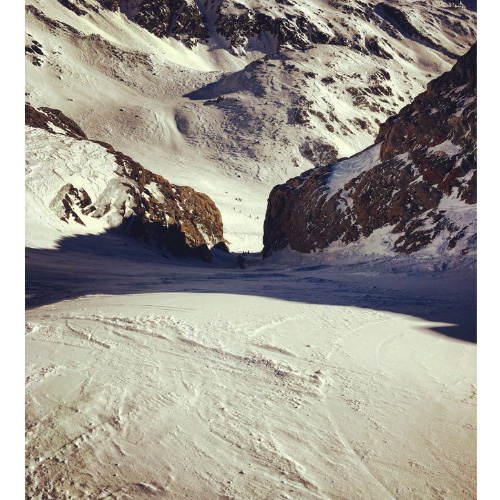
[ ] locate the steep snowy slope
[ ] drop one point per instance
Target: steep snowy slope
(146, 379)
(301, 377)
(415, 189)
(75, 186)
(230, 117)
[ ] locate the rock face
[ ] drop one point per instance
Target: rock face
(285, 22)
(417, 184)
(291, 26)
(144, 205)
(319, 152)
(69, 4)
(52, 120)
(180, 19)
(238, 23)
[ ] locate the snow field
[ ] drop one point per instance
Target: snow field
(126, 87)
(336, 375)
(312, 402)
(158, 380)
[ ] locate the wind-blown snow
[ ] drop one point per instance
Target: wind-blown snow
(346, 170)
(155, 380)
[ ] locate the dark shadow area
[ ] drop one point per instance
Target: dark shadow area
(169, 238)
(470, 4)
(214, 90)
(114, 264)
(230, 84)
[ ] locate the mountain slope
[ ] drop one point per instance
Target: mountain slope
(416, 188)
(76, 186)
(273, 26)
(230, 116)
(301, 376)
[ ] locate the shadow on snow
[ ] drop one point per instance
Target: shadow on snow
(113, 264)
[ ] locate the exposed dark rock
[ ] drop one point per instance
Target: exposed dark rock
(221, 246)
(294, 30)
(66, 201)
(180, 19)
(427, 151)
(375, 47)
(442, 102)
(34, 52)
(73, 7)
(328, 80)
(173, 222)
(112, 5)
(319, 152)
(48, 118)
(167, 216)
(301, 112)
(282, 25)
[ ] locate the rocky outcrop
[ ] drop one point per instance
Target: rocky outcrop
(417, 181)
(237, 24)
(52, 120)
(280, 25)
(290, 27)
(319, 152)
(442, 112)
(180, 19)
(34, 51)
(74, 7)
(113, 5)
(166, 216)
(176, 218)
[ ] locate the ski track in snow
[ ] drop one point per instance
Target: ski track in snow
(262, 383)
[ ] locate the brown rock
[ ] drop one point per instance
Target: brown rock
(177, 218)
(427, 150)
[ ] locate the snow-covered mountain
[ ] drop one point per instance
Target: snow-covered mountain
(243, 96)
(271, 26)
(415, 189)
(76, 186)
(304, 376)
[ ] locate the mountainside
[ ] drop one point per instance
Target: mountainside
(343, 366)
(415, 188)
(233, 98)
(257, 24)
(76, 186)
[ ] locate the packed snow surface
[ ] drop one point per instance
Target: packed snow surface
(299, 377)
